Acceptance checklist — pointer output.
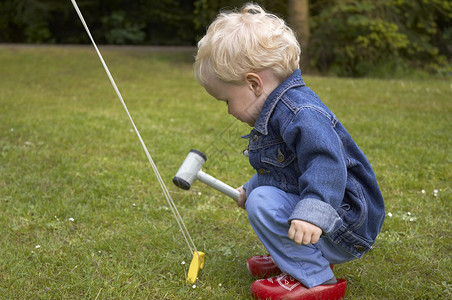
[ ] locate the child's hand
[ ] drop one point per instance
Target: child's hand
(242, 197)
(304, 232)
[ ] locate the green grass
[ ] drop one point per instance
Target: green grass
(67, 151)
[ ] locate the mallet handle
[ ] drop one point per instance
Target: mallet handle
(218, 185)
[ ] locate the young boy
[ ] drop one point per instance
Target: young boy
(314, 200)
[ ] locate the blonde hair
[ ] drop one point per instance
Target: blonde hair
(251, 40)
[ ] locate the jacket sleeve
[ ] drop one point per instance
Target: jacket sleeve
(250, 185)
(311, 135)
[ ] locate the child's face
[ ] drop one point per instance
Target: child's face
(242, 101)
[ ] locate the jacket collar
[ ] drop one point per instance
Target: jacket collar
(295, 80)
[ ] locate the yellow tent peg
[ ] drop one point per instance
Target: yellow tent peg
(197, 263)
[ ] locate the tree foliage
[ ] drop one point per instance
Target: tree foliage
(160, 22)
(347, 37)
(352, 38)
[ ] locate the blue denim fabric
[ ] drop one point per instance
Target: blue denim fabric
(299, 146)
(309, 264)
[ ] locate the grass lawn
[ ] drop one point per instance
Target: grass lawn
(82, 214)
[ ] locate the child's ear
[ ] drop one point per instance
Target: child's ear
(254, 82)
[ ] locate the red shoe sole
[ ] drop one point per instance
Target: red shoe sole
(320, 292)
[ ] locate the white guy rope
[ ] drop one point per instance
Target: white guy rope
(171, 203)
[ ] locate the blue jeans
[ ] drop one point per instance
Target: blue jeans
(269, 209)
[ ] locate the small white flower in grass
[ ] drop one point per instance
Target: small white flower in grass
(134, 205)
(182, 263)
(389, 214)
(219, 285)
(423, 192)
(199, 193)
(38, 246)
(408, 213)
(194, 286)
(71, 219)
(411, 219)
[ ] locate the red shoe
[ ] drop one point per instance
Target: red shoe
(262, 266)
(286, 287)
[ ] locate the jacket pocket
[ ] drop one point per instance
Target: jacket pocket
(351, 242)
(277, 156)
(281, 165)
(354, 206)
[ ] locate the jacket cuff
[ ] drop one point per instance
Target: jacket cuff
(318, 213)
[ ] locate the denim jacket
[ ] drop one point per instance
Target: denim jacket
(299, 146)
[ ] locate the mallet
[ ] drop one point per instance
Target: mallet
(191, 169)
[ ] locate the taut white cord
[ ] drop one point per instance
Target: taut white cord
(171, 203)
